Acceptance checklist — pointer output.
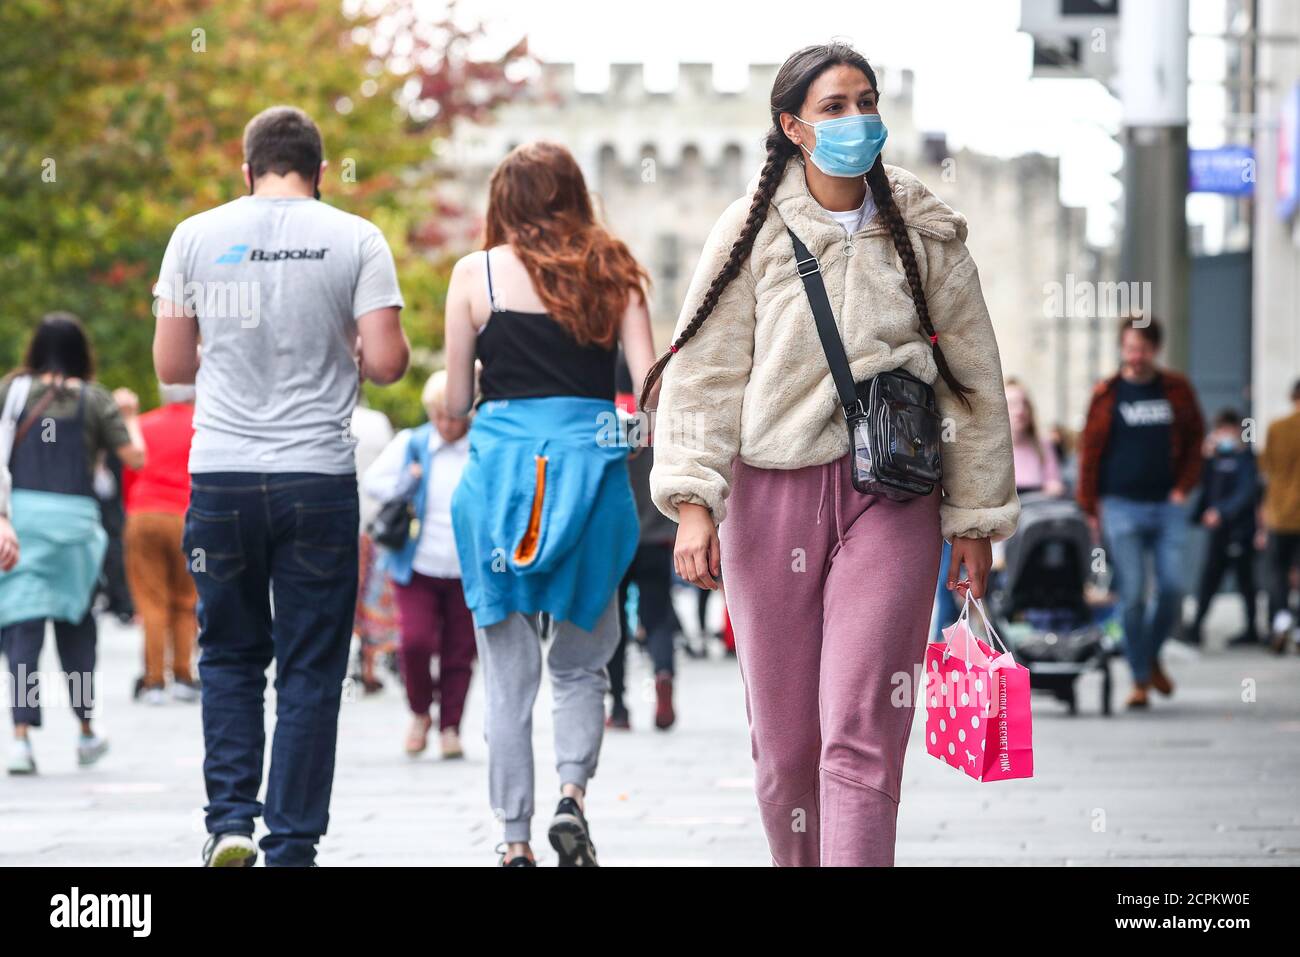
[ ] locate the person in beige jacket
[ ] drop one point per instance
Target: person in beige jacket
(830, 590)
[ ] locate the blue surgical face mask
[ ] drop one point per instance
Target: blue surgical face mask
(847, 145)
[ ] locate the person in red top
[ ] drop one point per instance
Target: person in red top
(156, 499)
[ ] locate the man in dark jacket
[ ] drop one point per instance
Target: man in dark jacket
(1139, 458)
(1226, 508)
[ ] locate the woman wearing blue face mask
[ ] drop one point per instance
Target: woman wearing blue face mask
(829, 588)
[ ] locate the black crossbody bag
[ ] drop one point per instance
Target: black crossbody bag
(391, 526)
(893, 418)
(396, 522)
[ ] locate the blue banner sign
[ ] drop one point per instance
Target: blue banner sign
(1226, 169)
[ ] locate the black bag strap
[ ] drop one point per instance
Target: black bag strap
(41, 405)
(810, 271)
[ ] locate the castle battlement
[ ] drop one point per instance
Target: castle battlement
(623, 125)
(694, 80)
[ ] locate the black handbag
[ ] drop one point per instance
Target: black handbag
(396, 522)
(893, 418)
(392, 527)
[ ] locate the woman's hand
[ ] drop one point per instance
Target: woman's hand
(8, 545)
(977, 555)
(697, 556)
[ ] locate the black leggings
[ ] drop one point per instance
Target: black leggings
(76, 642)
(1221, 554)
(652, 571)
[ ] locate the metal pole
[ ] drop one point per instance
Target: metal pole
(1153, 93)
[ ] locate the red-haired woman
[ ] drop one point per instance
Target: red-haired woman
(544, 517)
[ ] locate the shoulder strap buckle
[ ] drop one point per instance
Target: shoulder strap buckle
(801, 263)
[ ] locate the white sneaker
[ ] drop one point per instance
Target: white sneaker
(90, 748)
(450, 744)
(153, 696)
(229, 850)
(185, 692)
(21, 760)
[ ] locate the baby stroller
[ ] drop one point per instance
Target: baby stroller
(1041, 602)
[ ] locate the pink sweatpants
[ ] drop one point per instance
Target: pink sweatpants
(830, 593)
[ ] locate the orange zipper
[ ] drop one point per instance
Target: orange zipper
(526, 550)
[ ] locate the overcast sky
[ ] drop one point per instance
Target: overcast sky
(971, 65)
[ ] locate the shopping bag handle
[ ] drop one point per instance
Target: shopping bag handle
(988, 625)
(962, 618)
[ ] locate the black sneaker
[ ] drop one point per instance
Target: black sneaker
(523, 860)
(231, 849)
(619, 719)
(570, 837)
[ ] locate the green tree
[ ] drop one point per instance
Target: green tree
(122, 118)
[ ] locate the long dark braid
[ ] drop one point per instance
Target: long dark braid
(779, 151)
(885, 205)
(788, 92)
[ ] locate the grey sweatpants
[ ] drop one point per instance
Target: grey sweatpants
(510, 660)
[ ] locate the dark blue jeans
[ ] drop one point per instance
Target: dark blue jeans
(258, 542)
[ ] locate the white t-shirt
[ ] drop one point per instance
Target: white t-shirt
(854, 219)
(435, 555)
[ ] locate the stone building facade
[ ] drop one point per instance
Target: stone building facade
(663, 166)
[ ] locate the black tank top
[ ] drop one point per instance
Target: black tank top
(528, 355)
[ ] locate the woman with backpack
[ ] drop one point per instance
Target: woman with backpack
(829, 587)
(59, 422)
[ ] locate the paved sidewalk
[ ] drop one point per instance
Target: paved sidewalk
(1204, 778)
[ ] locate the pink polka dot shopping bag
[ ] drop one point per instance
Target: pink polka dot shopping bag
(977, 703)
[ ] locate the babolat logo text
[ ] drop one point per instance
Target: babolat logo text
(102, 910)
(274, 255)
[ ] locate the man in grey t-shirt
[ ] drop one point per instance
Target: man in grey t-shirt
(274, 305)
(277, 285)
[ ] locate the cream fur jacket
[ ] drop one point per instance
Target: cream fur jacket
(753, 382)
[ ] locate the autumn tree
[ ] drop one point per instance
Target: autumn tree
(121, 118)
